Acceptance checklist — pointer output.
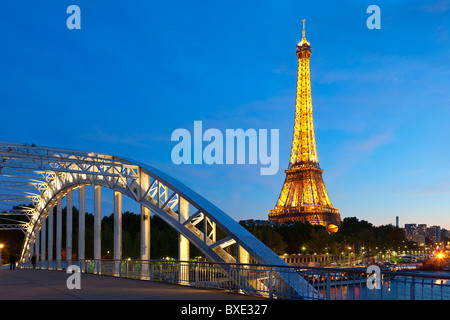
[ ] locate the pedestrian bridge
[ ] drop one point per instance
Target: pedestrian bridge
(239, 281)
(30, 284)
(47, 177)
(252, 280)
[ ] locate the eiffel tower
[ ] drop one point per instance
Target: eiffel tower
(304, 197)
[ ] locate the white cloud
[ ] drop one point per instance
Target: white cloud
(355, 152)
(373, 142)
(134, 139)
(441, 6)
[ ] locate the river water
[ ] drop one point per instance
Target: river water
(397, 288)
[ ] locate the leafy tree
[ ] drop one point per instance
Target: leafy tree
(164, 239)
(270, 238)
(319, 239)
(296, 236)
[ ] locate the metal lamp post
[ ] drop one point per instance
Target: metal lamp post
(1, 248)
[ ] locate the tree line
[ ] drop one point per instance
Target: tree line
(308, 239)
(287, 238)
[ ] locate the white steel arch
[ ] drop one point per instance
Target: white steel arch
(45, 175)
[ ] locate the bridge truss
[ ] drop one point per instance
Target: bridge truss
(43, 176)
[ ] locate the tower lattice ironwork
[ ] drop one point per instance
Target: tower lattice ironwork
(304, 197)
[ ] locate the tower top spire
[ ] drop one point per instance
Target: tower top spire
(304, 44)
(303, 34)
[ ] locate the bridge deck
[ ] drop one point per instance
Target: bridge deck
(51, 285)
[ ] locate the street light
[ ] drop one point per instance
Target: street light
(1, 247)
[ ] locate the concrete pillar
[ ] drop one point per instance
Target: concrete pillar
(81, 223)
(43, 239)
(183, 243)
(37, 243)
(50, 237)
(69, 227)
(117, 231)
(242, 255)
(58, 232)
(145, 228)
(145, 233)
(31, 246)
(97, 228)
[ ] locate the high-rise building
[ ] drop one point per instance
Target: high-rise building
(303, 196)
(422, 229)
(434, 233)
(421, 233)
(444, 233)
(411, 231)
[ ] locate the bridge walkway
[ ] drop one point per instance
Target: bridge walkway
(36, 284)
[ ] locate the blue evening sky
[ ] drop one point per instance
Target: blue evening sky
(138, 70)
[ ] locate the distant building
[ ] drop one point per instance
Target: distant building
(255, 223)
(411, 231)
(422, 229)
(418, 233)
(444, 233)
(421, 233)
(434, 233)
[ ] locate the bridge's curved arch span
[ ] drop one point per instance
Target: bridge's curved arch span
(55, 172)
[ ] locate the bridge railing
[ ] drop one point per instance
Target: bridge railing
(264, 280)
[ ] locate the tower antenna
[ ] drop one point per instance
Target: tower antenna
(304, 38)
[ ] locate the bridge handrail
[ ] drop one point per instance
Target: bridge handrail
(235, 277)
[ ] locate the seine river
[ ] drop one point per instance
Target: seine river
(398, 288)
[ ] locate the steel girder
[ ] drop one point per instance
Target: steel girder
(47, 174)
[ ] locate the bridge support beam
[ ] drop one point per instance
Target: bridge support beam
(43, 239)
(145, 228)
(37, 242)
(31, 244)
(58, 232)
(81, 223)
(69, 226)
(242, 256)
(183, 243)
(50, 237)
(145, 233)
(97, 228)
(117, 232)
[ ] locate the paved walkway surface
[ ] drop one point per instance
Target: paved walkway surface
(38, 284)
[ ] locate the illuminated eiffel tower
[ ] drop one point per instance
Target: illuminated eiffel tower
(304, 197)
